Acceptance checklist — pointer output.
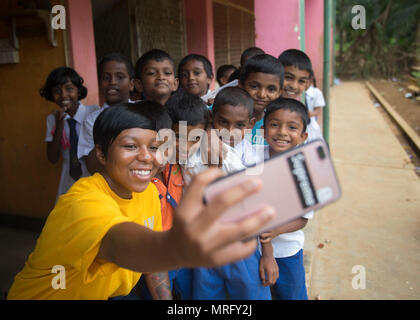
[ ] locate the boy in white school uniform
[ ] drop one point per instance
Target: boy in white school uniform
(285, 124)
(116, 81)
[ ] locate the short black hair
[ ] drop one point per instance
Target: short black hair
(112, 121)
(296, 58)
(206, 63)
(222, 70)
(249, 53)
(119, 58)
(263, 63)
(60, 76)
(292, 105)
(233, 96)
(183, 106)
(152, 55)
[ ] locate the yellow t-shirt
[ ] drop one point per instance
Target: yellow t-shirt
(71, 239)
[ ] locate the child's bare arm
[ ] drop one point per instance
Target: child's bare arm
(158, 285)
(269, 270)
(54, 147)
(292, 226)
(316, 113)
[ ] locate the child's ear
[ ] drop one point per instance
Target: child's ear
(304, 136)
(252, 122)
(138, 85)
(280, 93)
(176, 85)
(131, 85)
(264, 132)
(100, 155)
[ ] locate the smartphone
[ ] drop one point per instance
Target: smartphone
(294, 182)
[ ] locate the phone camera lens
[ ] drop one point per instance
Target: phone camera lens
(321, 152)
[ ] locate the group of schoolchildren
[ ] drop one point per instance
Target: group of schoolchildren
(268, 104)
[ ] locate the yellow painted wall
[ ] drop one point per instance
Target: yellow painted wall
(28, 182)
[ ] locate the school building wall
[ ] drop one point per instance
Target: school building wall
(28, 183)
(277, 27)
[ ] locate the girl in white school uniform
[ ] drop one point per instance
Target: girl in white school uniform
(65, 88)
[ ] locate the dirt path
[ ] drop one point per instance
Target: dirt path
(374, 230)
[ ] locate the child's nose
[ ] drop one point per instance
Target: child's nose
(283, 130)
(293, 84)
(63, 92)
(112, 80)
(160, 75)
(262, 93)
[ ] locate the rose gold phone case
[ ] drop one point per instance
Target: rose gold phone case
(285, 186)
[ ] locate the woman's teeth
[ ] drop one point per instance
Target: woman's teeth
(142, 172)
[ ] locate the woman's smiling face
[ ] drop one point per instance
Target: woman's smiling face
(132, 160)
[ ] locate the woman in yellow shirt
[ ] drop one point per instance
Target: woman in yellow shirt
(105, 231)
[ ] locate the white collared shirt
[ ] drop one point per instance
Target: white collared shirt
(250, 154)
(287, 244)
(66, 181)
(86, 143)
(195, 164)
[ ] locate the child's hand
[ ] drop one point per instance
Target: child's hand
(59, 116)
(267, 237)
(269, 270)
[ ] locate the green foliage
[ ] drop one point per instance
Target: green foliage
(416, 74)
(389, 44)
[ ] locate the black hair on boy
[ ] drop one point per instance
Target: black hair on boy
(291, 105)
(59, 77)
(263, 63)
(249, 53)
(296, 58)
(233, 96)
(119, 58)
(144, 115)
(222, 71)
(152, 55)
(183, 106)
(206, 63)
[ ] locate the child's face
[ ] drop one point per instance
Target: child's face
(194, 79)
(284, 130)
(66, 96)
(183, 145)
(226, 76)
(157, 80)
(263, 88)
(115, 82)
(295, 81)
(233, 117)
(132, 161)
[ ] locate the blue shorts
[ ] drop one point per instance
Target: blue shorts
(238, 281)
(181, 282)
(291, 282)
